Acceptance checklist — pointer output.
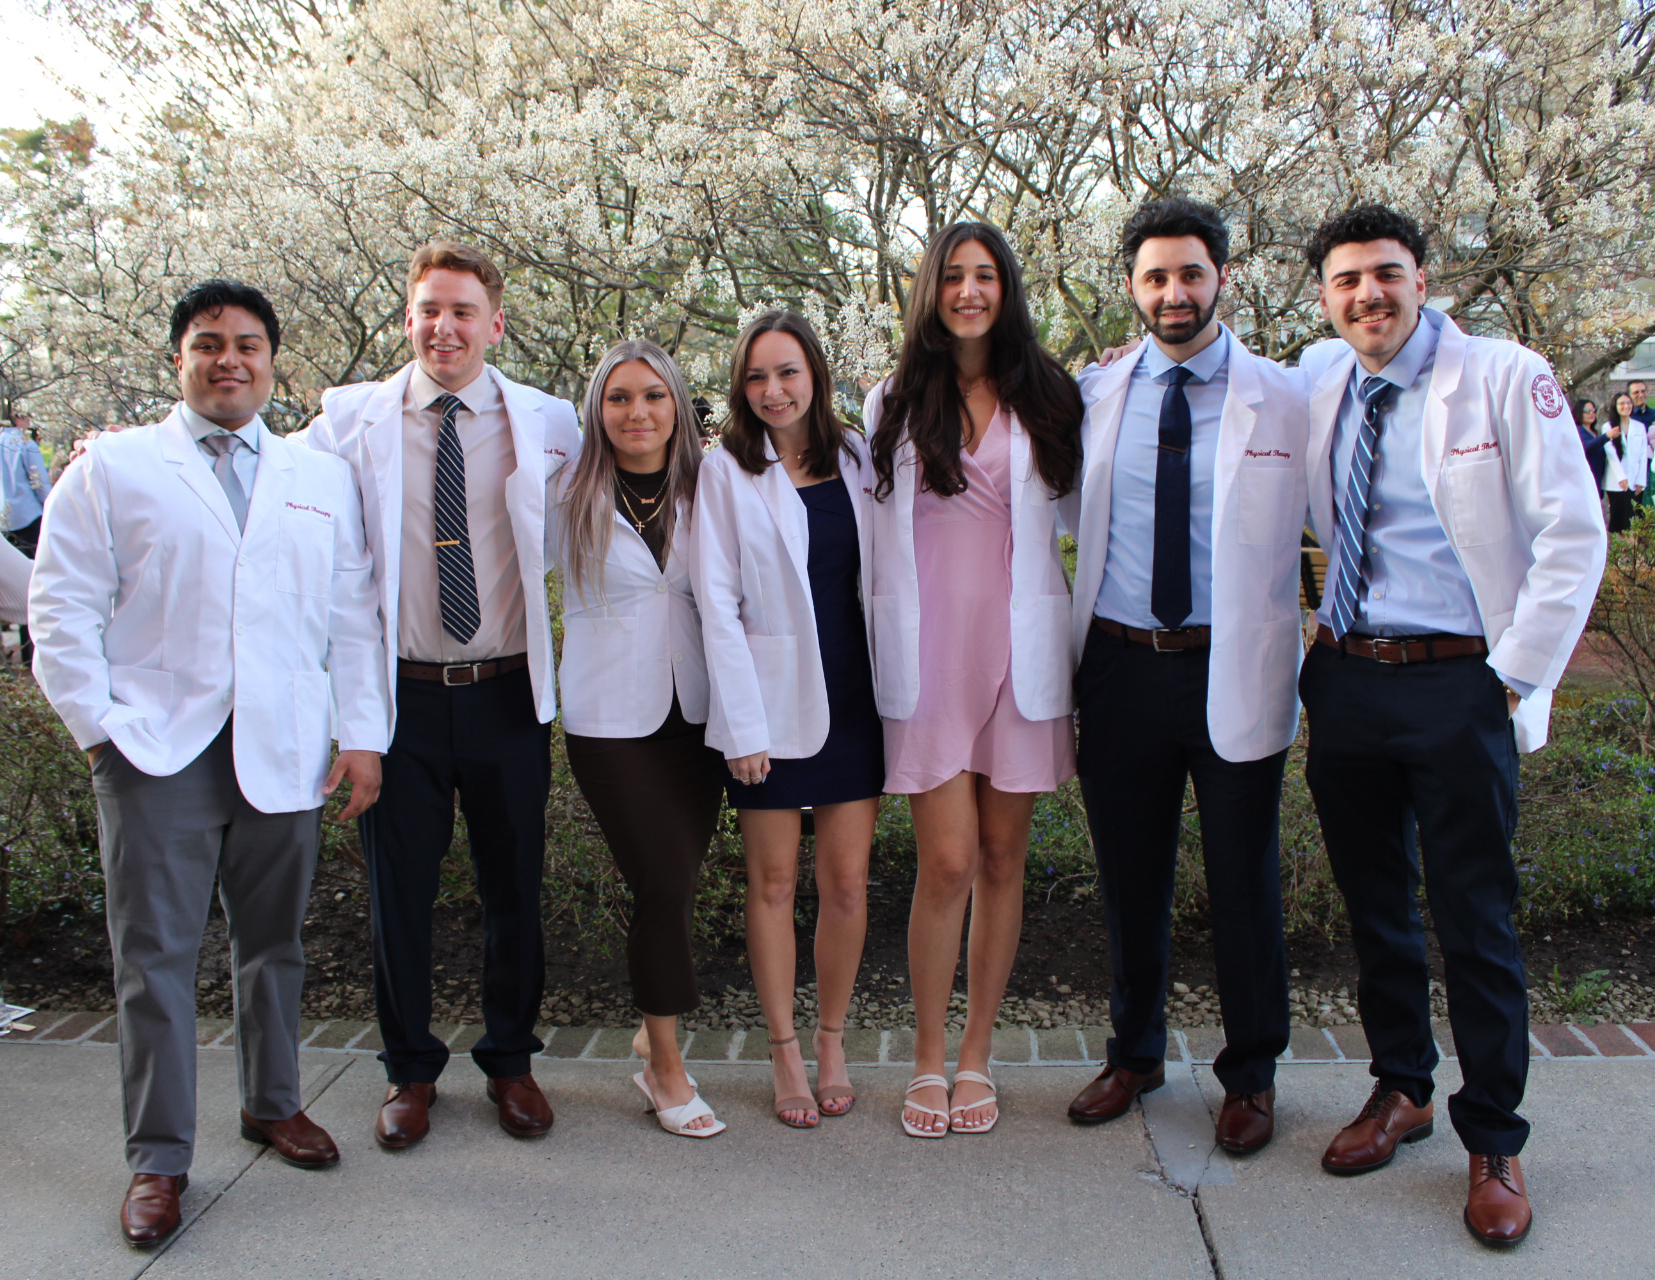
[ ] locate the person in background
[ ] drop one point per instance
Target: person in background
(24, 485)
(204, 607)
(1644, 414)
(1594, 442)
(634, 685)
(15, 568)
(975, 438)
(1627, 446)
(781, 559)
(1465, 552)
(459, 464)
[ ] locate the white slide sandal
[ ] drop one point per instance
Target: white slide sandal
(956, 1113)
(675, 1119)
(923, 1082)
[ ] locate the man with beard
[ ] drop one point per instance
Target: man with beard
(1465, 546)
(1186, 627)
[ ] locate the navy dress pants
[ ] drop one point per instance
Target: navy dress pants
(1431, 746)
(1143, 734)
(482, 741)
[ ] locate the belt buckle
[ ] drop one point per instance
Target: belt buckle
(1155, 639)
(1402, 651)
(460, 666)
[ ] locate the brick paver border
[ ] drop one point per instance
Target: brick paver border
(1014, 1046)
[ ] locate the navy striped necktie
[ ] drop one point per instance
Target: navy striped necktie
(1353, 517)
(456, 578)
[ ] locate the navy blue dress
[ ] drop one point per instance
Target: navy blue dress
(851, 763)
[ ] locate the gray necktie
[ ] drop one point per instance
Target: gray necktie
(225, 446)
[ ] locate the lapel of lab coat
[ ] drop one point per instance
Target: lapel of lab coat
(275, 464)
(178, 447)
(787, 509)
(1244, 396)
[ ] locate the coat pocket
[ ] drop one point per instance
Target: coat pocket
(776, 660)
(1265, 514)
(1479, 504)
(144, 689)
(304, 554)
(599, 676)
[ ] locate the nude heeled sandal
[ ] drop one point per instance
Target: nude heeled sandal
(792, 1104)
(923, 1082)
(833, 1092)
(956, 1122)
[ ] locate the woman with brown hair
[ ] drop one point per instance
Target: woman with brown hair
(779, 561)
(974, 439)
(634, 688)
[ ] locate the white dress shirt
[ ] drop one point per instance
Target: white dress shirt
(244, 462)
(1129, 569)
(490, 457)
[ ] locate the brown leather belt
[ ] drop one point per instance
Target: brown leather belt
(458, 673)
(1163, 640)
(1404, 650)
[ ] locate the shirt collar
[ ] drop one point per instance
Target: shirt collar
(200, 428)
(477, 395)
(1403, 370)
(1203, 365)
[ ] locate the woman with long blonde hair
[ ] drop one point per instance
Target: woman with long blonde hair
(633, 682)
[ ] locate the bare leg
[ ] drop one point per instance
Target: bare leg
(770, 838)
(996, 921)
(844, 834)
(945, 835)
(665, 1073)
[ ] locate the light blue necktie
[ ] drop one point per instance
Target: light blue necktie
(224, 445)
(1353, 517)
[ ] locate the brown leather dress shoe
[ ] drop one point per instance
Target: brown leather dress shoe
(1111, 1094)
(1369, 1141)
(405, 1115)
(150, 1212)
(1497, 1210)
(524, 1111)
(298, 1140)
(1247, 1122)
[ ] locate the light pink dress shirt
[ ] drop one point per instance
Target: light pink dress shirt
(485, 439)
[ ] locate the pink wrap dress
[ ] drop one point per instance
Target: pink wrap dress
(966, 717)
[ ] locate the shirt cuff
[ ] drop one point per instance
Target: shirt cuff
(1522, 688)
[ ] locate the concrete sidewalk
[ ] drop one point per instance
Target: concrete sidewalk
(607, 1194)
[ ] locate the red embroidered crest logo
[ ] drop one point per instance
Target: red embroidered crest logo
(1548, 396)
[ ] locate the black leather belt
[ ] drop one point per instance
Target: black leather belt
(458, 673)
(1404, 650)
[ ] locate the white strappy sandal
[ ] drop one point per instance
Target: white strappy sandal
(956, 1113)
(675, 1119)
(923, 1082)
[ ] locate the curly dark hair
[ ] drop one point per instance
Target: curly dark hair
(1173, 218)
(922, 398)
(212, 296)
(1358, 226)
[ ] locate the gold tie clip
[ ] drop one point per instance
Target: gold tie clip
(452, 542)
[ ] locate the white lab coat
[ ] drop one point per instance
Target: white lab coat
(362, 423)
(1259, 496)
(631, 639)
(750, 564)
(15, 568)
(1041, 674)
(1636, 460)
(154, 617)
(1508, 479)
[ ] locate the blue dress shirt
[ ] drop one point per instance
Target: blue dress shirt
(1128, 568)
(244, 462)
(1412, 581)
(23, 482)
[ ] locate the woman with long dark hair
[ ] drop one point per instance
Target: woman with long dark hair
(780, 557)
(1621, 462)
(634, 688)
(974, 438)
(1586, 423)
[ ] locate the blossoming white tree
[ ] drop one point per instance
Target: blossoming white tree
(667, 166)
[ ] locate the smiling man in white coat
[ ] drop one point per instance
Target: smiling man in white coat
(1186, 627)
(201, 588)
(457, 465)
(1465, 545)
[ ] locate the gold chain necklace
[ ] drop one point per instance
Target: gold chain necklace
(632, 512)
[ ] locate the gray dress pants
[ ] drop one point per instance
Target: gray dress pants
(164, 840)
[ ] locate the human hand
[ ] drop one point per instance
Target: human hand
(751, 769)
(93, 750)
(1614, 431)
(1512, 701)
(1109, 355)
(361, 770)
